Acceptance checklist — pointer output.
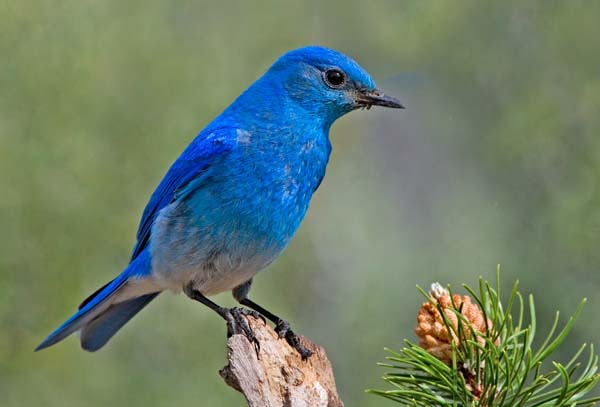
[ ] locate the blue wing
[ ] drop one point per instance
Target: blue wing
(98, 319)
(191, 164)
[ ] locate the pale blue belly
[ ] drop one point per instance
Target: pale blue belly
(218, 243)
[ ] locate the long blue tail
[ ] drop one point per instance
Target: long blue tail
(98, 318)
(96, 333)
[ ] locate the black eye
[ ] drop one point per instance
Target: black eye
(335, 78)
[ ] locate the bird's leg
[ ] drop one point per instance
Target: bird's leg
(282, 327)
(235, 317)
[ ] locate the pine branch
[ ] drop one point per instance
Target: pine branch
(474, 352)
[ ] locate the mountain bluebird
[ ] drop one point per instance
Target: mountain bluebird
(232, 201)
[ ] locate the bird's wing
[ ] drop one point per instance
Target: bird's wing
(190, 166)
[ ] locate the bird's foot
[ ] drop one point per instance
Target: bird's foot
(285, 332)
(238, 324)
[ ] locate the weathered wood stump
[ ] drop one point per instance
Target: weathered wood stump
(278, 377)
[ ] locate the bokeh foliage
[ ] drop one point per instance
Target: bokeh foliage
(496, 160)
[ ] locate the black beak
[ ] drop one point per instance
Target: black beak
(375, 97)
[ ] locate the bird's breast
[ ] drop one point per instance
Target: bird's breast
(285, 181)
(265, 188)
(243, 214)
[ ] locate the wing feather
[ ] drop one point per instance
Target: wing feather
(190, 166)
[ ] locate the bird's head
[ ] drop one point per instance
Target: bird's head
(326, 82)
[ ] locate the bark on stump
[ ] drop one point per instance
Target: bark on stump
(278, 377)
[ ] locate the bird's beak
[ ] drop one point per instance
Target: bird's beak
(368, 98)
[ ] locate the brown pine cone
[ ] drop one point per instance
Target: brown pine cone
(431, 330)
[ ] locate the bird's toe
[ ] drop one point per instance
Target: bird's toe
(238, 324)
(285, 332)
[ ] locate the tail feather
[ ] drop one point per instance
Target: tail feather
(93, 295)
(97, 332)
(94, 306)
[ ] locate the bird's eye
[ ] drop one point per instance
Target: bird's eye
(335, 78)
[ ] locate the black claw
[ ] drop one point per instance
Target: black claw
(235, 317)
(283, 330)
(255, 314)
(238, 324)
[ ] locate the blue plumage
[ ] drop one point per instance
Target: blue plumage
(101, 301)
(232, 201)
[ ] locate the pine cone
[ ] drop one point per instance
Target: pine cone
(431, 330)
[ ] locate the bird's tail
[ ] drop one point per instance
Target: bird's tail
(102, 315)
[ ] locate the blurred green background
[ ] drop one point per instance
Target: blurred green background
(495, 160)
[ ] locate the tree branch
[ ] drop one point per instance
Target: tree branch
(278, 377)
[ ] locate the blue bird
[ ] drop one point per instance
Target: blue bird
(231, 202)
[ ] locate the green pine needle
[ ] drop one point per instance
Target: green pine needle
(501, 369)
